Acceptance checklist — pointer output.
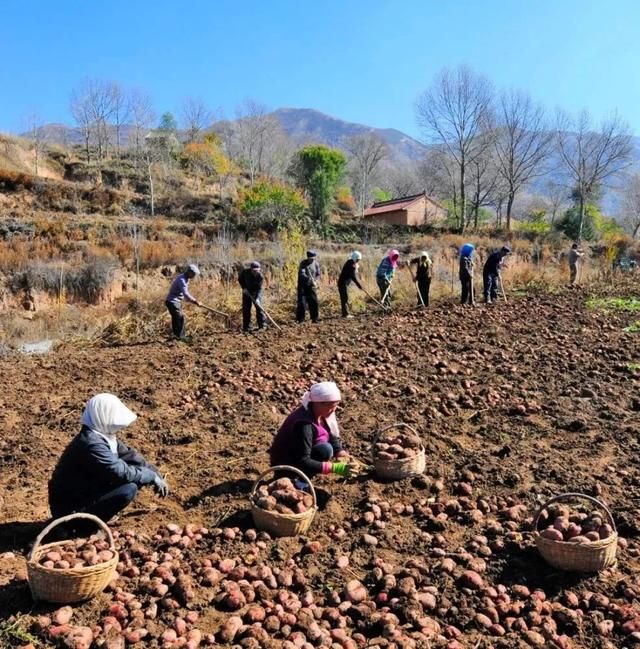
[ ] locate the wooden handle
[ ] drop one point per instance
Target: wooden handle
(284, 467)
(574, 496)
(65, 519)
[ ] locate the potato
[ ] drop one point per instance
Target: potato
(282, 483)
(605, 531)
(412, 441)
(593, 536)
(579, 539)
(552, 534)
(266, 502)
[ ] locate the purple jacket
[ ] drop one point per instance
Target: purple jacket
(180, 290)
(296, 438)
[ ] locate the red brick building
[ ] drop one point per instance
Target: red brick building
(419, 209)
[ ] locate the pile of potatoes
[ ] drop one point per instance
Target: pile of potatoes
(397, 447)
(281, 496)
(79, 553)
(572, 526)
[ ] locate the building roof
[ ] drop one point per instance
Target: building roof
(397, 204)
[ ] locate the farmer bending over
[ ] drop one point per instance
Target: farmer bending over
(491, 273)
(97, 473)
(424, 270)
(466, 274)
(309, 439)
(308, 279)
(180, 290)
(251, 280)
(385, 274)
(348, 274)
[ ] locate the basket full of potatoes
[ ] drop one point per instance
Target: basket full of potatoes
(576, 538)
(279, 506)
(72, 570)
(398, 452)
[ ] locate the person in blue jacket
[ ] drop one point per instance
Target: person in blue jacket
(466, 273)
(384, 275)
(97, 473)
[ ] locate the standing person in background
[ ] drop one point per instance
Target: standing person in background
(491, 273)
(424, 271)
(308, 281)
(466, 274)
(575, 260)
(348, 274)
(180, 291)
(251, 280)
(385, 274)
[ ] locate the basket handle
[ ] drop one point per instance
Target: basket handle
(399, 424)
(570, 496)
(65, 519)
(284, 467)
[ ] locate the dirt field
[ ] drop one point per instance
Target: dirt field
(517, 402)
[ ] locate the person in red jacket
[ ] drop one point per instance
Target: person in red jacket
(309, 438)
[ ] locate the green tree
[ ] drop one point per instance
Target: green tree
(318, 169)
(380, 195)
(271, 206)
(571, 223)
(168, 123)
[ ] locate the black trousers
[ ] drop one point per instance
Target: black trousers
(424, 284)
(466, 296)
(307, 299)
(104, 507)
(344, 299)
(247, 304)
(177, 319)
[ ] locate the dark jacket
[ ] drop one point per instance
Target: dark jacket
(349, 274)
(88, 468)
(493, 263)
(294, 440)
(423, 268)
(251, 281)
(308, 274)
(466, 267)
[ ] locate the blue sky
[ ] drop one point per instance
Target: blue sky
(362, 61)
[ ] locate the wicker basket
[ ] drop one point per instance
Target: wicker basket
(577, 557)
(282, 524)
(403, 467)
(65, 586)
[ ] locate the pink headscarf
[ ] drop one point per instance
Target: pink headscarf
(393, 257)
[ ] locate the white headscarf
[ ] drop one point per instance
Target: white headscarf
(105, 415)
(325, 391)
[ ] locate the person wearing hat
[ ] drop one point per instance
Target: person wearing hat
(309, 438)
(97, 473)
(424, 267)
(251, 280)
(491, 273)
(466, 273)
(348, 274)
(180, 291)
(575, 258)
(308, 280)
(385, 274)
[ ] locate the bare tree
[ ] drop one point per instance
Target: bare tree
(254, 139)
(36, 137)
(142, 116)
(81, 112)
(522, 144)
(121, 111)
(453, 113)
(630, 206)
(401, 179)
(367, 152)
(484, 181)
(196, 117)
(557, 198)
(591, 157)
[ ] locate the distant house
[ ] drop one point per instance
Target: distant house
(408, 210)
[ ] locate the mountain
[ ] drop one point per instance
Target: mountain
(306, 125)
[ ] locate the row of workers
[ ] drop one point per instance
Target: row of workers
(252, 279)
(99, 474)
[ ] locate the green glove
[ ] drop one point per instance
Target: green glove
(339, 467)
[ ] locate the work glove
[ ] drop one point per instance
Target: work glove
(344, 469)
(160, 486)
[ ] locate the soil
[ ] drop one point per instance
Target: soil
(522, 401)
